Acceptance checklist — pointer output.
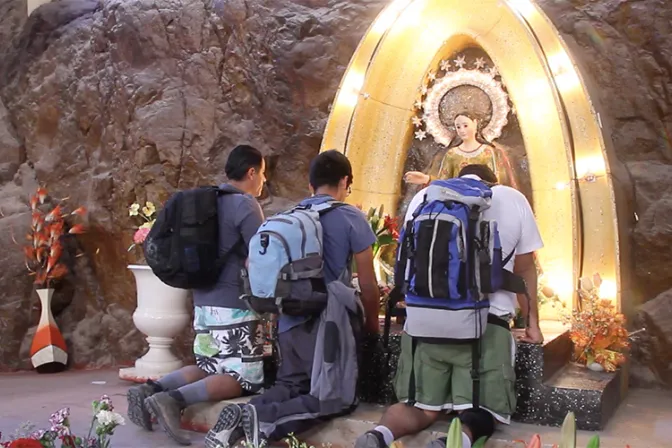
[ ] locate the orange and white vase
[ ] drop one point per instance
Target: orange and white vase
(48, 345)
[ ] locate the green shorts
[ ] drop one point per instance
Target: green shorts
(442, 374)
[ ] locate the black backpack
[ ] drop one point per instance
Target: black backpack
(182, 248)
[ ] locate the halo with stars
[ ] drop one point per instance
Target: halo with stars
(481, 77)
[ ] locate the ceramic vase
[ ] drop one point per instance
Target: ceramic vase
(595, 367)
(162, 313)
(48, 350)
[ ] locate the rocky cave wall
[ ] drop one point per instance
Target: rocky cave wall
(110, 102)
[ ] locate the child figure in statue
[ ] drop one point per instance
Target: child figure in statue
(468, 148)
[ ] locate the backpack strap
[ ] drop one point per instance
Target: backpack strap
(324, 207)
(508, 258)
(240, 242)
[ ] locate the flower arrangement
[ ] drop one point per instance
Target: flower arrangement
(50, 224)
(148, 215)
(102, 427)
(597, 329)
(385, 227)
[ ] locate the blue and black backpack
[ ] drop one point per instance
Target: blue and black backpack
(449, 259)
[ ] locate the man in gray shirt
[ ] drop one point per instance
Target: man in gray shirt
(229, 339)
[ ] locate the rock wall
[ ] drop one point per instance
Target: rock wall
(110, 102)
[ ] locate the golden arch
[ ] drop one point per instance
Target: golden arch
(574, 197)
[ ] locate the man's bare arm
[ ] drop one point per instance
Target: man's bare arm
(526, 268)
(369, 287)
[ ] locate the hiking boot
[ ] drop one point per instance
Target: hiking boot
(371, 439)
(137, 411)
(227, 431)
(438, 443)
(250, 423)
(168, 413)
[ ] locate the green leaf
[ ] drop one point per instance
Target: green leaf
(568, 432)
(480, 443)
(454, 439)
(384, 240)
(594, 442)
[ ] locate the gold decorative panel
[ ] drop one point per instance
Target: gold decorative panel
(573, 196)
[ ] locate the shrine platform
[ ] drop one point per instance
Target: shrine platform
(644, 419)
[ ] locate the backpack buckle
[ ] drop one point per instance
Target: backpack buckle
(475, 376)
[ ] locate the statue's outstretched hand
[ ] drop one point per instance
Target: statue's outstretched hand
(416, 178)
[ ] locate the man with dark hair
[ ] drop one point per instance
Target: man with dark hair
(433, 377)
(228, 346)
(483, 172)
(291, 406)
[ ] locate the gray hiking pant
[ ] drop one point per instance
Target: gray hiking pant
(287, 407)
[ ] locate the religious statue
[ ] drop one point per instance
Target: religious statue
(463, 110)
(469, 147)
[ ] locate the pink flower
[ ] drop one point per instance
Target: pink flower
(105, 400)
(140, 235)
(58, 418)
(60, 430)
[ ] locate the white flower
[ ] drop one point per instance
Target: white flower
(107, 418)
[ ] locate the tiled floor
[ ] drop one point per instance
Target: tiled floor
(644, 420)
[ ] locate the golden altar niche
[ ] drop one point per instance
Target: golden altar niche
(561, 150)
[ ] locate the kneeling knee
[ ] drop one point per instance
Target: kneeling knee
(432, 416)
(479, 422)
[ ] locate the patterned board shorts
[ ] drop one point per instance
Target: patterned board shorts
(230, 341)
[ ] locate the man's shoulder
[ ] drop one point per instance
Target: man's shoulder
(236, 201)
(345, 213)
(506, 193)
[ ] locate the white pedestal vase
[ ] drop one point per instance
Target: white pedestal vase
(162, 313)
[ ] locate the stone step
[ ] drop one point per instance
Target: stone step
(338, 433)
(343, 431)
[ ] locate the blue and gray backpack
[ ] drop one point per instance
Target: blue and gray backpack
(449, 259)
(285, 264)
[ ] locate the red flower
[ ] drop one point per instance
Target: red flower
(25, 443)
(392, 226)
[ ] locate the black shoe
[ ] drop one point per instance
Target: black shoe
(227, 431)
(168, 413)
(137, 411)
(371, 439)
(250, 423)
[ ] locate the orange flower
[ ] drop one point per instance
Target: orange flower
(37, 220)
(54, 214)
(57, 272)
(77, 229)
(42, 255)
(56, 230)
(33, 202)
(81, 211)
(42, 194)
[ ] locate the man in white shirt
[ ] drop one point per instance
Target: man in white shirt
(432, 378)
